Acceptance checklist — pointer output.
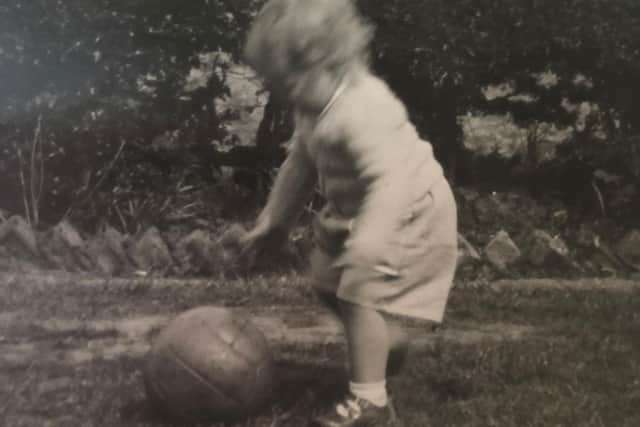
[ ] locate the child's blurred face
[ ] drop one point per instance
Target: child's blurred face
(284, 87)
(299, 46)
(308, 89)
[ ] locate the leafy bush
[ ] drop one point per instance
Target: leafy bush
(442, 55)
(93, 76)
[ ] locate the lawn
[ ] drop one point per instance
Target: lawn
(508, 354)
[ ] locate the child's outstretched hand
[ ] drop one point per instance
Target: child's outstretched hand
(257, 244)
(228, 248)
(249, 245)
(243, 251)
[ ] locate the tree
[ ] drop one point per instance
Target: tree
(99, 73)
(439, 55)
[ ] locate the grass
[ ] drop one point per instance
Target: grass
(581, 366)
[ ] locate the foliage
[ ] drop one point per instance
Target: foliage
(101, 73)
(440, 57)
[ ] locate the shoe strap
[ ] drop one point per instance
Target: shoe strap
(349, 409)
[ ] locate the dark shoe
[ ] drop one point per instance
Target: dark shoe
(356, 412)
(397, 359)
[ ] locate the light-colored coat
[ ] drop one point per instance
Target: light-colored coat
(383, 182)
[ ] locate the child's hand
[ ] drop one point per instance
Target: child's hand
(228, 249)
(252, 244)
(233, 236)
(248, 249)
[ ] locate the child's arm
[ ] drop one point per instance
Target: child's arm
(292, 188)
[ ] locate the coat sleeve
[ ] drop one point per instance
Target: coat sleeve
(292, 189)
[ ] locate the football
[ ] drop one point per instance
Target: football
(209, 363)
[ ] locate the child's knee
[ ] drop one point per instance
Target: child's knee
(397, 332)
(364, 317)
(352, 310)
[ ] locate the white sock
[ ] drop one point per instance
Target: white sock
(375, 393)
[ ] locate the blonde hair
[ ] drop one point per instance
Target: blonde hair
(290, 36)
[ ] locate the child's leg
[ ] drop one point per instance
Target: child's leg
(369, 341)
(398, 350)
(373, 342)
(398, 338)
(325, 279)
(367, 329)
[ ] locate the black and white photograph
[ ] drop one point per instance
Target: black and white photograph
(320, 213)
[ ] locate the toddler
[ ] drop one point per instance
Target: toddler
(386, 240)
